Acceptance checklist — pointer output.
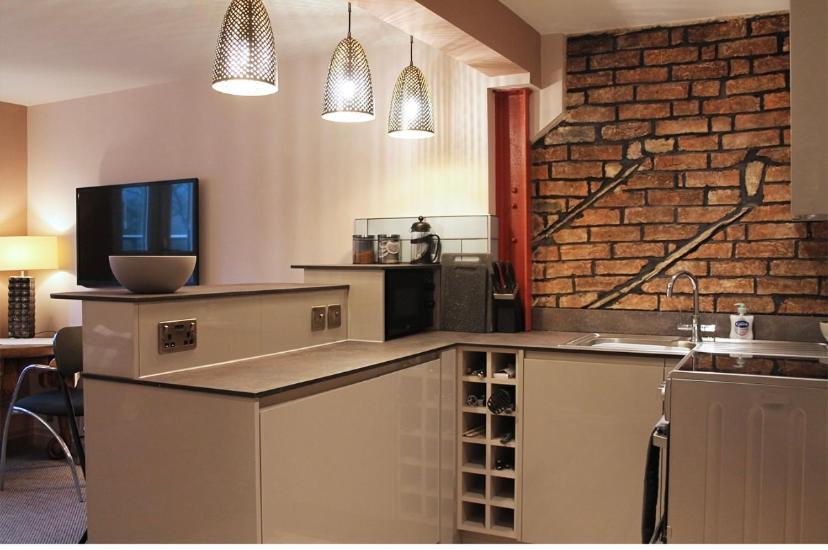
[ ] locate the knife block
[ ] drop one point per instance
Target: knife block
(508, 312)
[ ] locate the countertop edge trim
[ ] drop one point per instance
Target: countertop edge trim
(172, 297)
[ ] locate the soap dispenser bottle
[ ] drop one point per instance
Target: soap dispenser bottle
(741, 325)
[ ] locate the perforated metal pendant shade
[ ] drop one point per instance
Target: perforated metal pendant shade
(246, 52)
(349, 95)
(411, 115)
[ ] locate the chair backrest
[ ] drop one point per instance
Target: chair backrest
(68, 347)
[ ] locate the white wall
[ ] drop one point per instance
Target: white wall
(278, 184)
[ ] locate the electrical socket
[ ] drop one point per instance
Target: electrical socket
(334, 316)
(179, 335)
(318, 318)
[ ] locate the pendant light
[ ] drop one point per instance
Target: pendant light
(349, 96)
(411, 115)
(246, 53)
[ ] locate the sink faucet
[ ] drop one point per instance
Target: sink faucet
(695, 328)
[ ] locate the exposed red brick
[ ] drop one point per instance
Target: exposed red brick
(748, 47)
(547, 154)
(598, 283)
(577, 170)
(572, 235)
(681, 161)
(769, 25)
(739, 67)
(708, 52)
(721, 124)
(777, 192)
(615, 60)
(625, 130)
(610, 94)
(819, 230)
(596, 152)
(638, 250)
(651, 180)
(619, 267)
(726, 159)
(730, 286)
(733, 28)
(736, 232)
(782, 285)
(615, 234)
(577, 300)
(659, 145)
(812, 306)
(588, 44)
(591, 113)
(644, 74)
(674, 197)
(778, 173)
(744, 140)
(684, 303)
(685, 108)
(706, 88)
(540, 172)
(649, 214)
(738, 104)
(696, 267)
(563, 188)
(570, 134)
(546, 253)
(587, 80)
(639, 302)
(668, 90)
(786, 135)
(722, 178)
(703, 214)
(643, 111)
(690, 125)
(644, 39)
(724, 196)
(777, 100)
(769, 213)
(678, 35)
(552, 286)
(598, 216)
(739, 268)
(668, 56)
(813, 249)
(718, 250)
(576, 64)
(573, 99)
(755, 304)
(700, 71)
(765, 249)
(585, 251)
(621, 197)
(771, 64)
(698, 143)
(752, 84)
(555, 206)
(768, 119)
(565, 269)
(671, 232)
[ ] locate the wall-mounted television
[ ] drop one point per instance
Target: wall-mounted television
(143, 219)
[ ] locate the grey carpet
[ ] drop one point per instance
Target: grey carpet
(39, 504)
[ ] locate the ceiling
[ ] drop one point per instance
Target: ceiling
(52, 50)
(580, 16)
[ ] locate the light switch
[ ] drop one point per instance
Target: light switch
(318, 318)
(334, 316)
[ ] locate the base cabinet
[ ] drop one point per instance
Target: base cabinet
(357, 464)
(587, 420)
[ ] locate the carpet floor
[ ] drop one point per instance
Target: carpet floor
(39, 504)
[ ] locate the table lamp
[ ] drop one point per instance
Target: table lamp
(23, 254)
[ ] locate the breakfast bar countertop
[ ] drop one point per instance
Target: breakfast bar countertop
(192, 292)
(267, 375)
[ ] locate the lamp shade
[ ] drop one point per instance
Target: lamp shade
(349, 96)
(410, 116)
(246, 52)
(28, 253)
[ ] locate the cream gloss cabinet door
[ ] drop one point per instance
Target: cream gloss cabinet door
(587, 422)
(357, 464)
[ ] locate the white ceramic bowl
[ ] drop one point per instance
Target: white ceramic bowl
(823, 327)
(152, 274)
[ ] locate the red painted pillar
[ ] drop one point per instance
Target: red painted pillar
(513, 196)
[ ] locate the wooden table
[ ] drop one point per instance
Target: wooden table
(15, 354)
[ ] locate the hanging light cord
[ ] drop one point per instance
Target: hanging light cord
(411, 51)
(349, 20)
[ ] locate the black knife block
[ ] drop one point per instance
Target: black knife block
(508, 313)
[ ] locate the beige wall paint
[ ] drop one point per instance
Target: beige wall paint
(278, 184)
(12, 186)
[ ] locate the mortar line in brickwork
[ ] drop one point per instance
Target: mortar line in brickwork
(567, 217)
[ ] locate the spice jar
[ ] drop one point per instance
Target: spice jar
(364, 249)
(388, 249)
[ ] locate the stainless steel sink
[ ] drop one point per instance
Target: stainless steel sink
(670, 345)
(768, 348)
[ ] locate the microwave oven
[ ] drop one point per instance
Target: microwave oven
(409, 300)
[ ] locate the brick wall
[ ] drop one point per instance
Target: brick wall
(674, 155)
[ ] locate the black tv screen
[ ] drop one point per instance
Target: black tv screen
(143, 219)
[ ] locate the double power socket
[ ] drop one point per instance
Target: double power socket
(323, 317)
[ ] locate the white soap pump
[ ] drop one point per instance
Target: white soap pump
(741, 325)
